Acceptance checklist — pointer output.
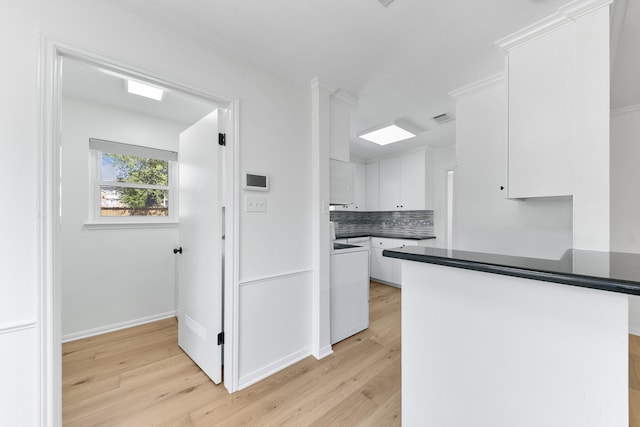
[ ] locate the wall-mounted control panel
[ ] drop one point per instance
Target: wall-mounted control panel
(255, 182)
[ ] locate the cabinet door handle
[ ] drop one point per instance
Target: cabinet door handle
(177, 250)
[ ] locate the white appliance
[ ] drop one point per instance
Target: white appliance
(349, 291)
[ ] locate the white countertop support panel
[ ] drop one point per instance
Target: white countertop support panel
(489, 350)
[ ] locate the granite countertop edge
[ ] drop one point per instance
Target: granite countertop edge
(631, 287)
(386, 236)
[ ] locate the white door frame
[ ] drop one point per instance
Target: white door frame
(49, 274)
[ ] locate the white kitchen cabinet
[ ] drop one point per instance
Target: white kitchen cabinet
(381, 267)
(339, 112)
(341, 182)
(403, 182)
(372, 187)
(413, 181)
(390, 184)
(359, 188)
(541, 80)
(388, 270)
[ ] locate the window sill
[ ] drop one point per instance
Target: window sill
(129, 225)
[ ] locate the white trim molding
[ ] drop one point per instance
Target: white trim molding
(49, 267)
(272, 368)
(117, 326)
(333, 91)
(264, 279)
(565, 15)
(17, 327)
(480, 84)
(324, 352)
(130, 225)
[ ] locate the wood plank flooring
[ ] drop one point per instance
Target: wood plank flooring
(140, 377)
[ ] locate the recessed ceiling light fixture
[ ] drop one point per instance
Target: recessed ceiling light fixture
(143, 89)
(389, 133)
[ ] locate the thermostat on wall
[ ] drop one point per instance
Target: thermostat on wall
(255, 182)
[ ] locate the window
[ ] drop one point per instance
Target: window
(132, 183)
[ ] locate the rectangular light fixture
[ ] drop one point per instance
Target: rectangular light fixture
(145, 90)
(389, 133)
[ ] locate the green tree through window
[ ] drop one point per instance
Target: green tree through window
(140, 170)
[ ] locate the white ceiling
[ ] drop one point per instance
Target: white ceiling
(80, 80)
(399, 62)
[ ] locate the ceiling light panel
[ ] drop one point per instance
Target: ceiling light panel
(145, 90)
(387, 134)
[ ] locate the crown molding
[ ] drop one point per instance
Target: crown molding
(316, 83)
(344, 96)
(480, 84)
(565, 15)
(338, 93)
(624, 110)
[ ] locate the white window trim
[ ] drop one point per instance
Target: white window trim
(95, 221)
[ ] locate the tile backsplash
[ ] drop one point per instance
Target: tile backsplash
(402, 223)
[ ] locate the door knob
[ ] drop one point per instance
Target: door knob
(177, 250)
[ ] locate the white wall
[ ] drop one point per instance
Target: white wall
(110, 277)
(274, 137)
(625, 203)
(484, 219)
(625, 179)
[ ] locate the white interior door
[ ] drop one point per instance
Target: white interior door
(200, 234)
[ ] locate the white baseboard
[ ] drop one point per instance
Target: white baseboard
(262, 373)
(116, 326)
(634, 330)
(324, 352)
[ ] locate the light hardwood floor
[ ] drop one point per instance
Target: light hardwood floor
(140, 377)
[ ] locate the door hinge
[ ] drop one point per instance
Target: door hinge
(221, 338)
(222, 139)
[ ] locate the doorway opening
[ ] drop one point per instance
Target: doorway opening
(85, 95)
(449, 220)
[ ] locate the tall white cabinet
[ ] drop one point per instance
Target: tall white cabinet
(541, 112)
(372, 186)
(559, 84)
(402, 182)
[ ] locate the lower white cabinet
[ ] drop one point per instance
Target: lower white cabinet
(381, 268)
(388, 270)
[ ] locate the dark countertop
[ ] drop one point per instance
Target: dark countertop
(386, 236)
(607, 271)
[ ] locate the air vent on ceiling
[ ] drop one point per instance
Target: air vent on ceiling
(443, 118)
(385, 3)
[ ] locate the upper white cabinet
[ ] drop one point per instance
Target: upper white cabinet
(372, 186)
(541, 115)
(390, 184)
(339, 112)
(341, 182)
(359, 187)
(402, 182)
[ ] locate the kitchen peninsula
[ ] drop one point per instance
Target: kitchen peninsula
(494, 340)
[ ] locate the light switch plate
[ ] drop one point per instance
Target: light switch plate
(255, 204)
